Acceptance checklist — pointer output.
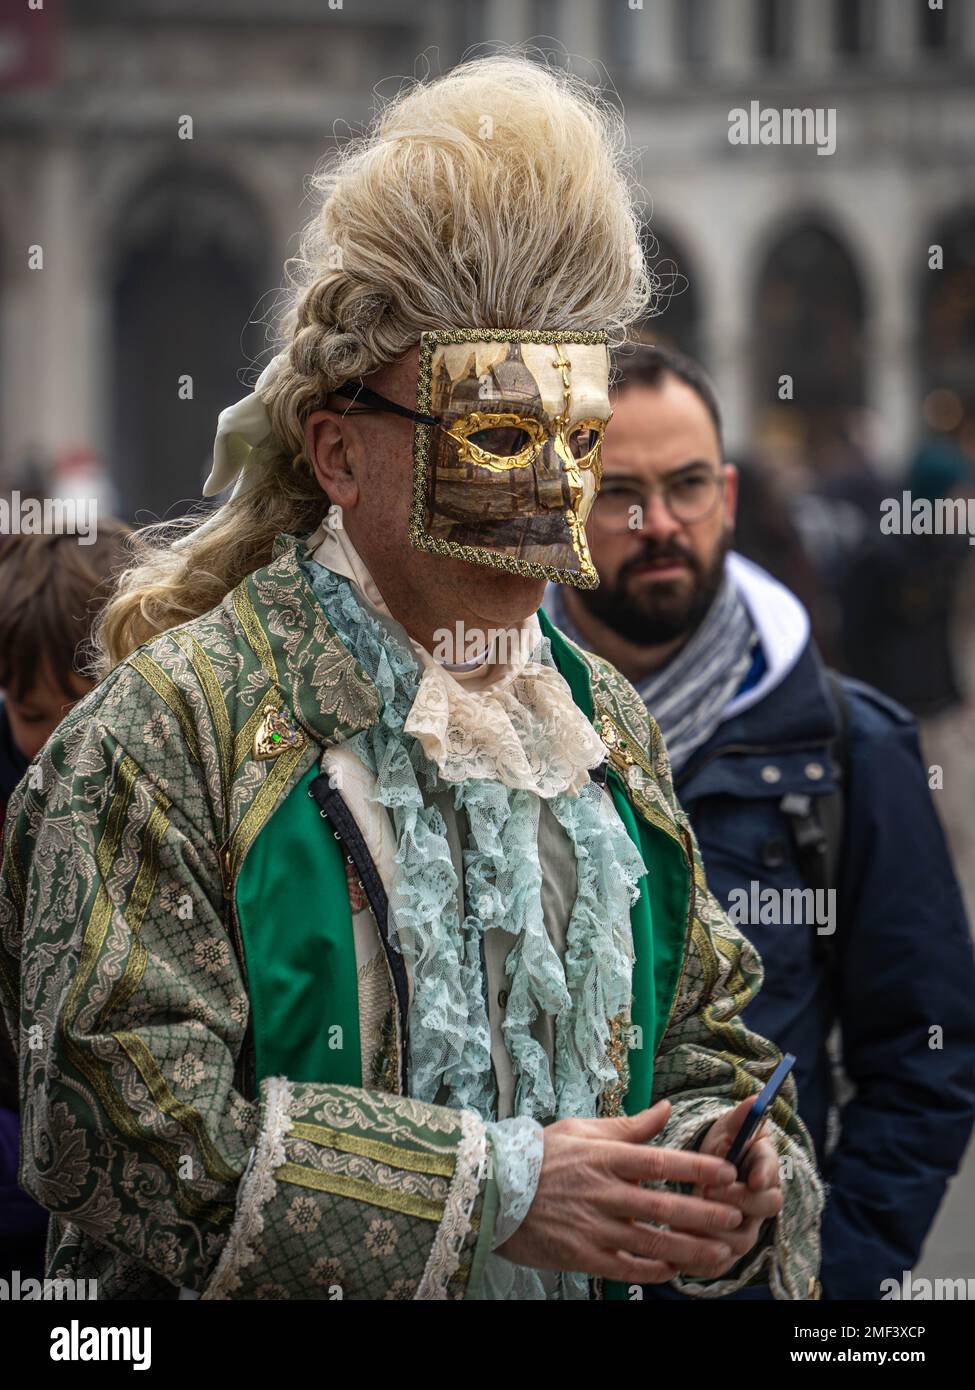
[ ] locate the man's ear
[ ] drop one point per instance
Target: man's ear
(330, 442)
(730, 494)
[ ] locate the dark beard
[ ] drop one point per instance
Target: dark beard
(663, 613)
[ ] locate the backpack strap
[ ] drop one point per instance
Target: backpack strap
(816, 822)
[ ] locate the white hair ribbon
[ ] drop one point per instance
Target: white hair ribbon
(241, 428)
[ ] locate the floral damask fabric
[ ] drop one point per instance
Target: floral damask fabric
(124, 991)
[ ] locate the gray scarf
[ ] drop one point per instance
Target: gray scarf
(688, 696)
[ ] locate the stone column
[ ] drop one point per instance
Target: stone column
(813, 46)
(733, 38)
(581, 29)
(70, 357)
(897, 32)
(893, 385)
(505, 21)
(725, 323)
(53, 349)
(655, 41)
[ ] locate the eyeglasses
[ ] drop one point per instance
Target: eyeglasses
(688, 498)
(365, 402)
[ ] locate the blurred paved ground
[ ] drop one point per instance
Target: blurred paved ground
(950, 1249)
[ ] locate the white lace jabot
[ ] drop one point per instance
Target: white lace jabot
(508, 719)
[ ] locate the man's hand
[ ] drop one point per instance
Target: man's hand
(590, 1215)
(759, 1195)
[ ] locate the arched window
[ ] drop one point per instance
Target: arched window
(947, 337)
(695, 32)
(675, 319)
(808, 327)
(191, 266)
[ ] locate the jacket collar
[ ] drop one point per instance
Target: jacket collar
(779, 619)
(798, 710)
(791, 730)
(330, 694)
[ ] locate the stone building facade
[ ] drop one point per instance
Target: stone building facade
(161, 253)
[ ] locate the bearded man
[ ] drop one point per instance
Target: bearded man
(810, 801)
(335, 967)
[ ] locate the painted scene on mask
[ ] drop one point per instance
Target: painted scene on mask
(509, 475)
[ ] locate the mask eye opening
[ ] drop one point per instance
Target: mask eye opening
(464, 430)
(589, 457)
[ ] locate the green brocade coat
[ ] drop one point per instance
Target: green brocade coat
(176, 966)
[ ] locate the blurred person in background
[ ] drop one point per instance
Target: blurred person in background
(53, 589)
(766, 533)
(793, 780)
(899, 600)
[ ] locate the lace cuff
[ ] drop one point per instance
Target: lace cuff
(517, 1146)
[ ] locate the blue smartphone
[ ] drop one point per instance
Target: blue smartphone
(755, 1116)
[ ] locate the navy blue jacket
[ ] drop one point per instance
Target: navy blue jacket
(898, 966)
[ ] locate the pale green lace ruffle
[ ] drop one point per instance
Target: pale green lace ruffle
(450, 1042)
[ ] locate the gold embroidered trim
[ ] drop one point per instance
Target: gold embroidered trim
(135, 909)
(97, 926)
(154, 675)
(261, 806)
(691, 922)
(384, 1073)
(148, 1068)
(358, 1191)
(410, 1160)
(217, 706)
(625, 754)
(707, 947)
(706, 954)
(253, 631)
(618, 1052)
(474, 554)
(736, 984)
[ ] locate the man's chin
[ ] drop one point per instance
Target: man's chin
(500, 598)
(648, 588)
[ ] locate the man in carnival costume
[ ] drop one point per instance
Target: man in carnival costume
(353, 941)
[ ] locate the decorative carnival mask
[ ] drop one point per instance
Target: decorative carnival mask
(508, 430)
(506, 450)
